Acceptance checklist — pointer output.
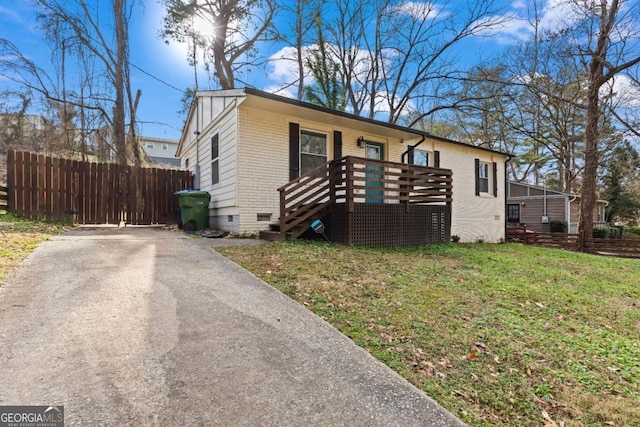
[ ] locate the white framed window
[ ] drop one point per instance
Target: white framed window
(149, 144)
(421, 158)
(483, 177)
(215, 159)
(165, 146)
(313, 150)
(513, 213)
(601, 217)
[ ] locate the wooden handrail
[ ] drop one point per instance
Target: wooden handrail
(349, 178)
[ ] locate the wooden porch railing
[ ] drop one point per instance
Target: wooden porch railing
(353, 180)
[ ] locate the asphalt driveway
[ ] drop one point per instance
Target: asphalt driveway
(142, 326)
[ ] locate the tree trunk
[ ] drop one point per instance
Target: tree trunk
(224, 70)
(133, 138)
(119, 135)
(299, 47)
(588, 194)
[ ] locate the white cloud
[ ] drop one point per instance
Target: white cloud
(518, 23)
(505, 29)
(284, 65)
(417, 10)
(626, 93)
(11, 14)
(280, 90)
(283, 70)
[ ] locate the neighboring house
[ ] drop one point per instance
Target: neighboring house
(159, 151)
(537, 206)
(21, 125)
(244, 144)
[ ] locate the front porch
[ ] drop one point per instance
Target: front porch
(368, 202)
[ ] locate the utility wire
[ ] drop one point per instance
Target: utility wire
(156, 78)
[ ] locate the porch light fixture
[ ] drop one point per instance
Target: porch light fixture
(361, 141)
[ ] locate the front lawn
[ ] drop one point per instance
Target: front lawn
(499, 335)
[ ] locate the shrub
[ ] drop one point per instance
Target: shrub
(599, 232)
(634, 230)
(607, 232)
(558, 226)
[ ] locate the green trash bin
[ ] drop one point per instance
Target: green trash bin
(194, 209)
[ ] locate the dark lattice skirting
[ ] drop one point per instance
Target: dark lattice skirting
(389, 225)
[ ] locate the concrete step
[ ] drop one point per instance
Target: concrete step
(273, 236)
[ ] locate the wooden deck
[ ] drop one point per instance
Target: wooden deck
(369, 202)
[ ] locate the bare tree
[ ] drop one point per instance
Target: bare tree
(606, 36)
(226, 31)
(92, 52)
(327, 90)
(301, 17)
(393, 55)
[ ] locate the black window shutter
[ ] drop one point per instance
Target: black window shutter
(337, 144)
(410, 157)
(436, 159)
(495, 179)
(294, 150)
(477, 177)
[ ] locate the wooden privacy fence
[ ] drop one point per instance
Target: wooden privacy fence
(92, 193)
(4, 198)
(624, 248)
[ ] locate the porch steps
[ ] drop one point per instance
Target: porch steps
(272, 236)
(275, 235)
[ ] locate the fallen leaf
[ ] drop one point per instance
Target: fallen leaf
(539, 305)
(480, 345)
(548, 421)
(473, 356)
(463, 394)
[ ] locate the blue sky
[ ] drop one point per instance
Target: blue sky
(171, 74)
(159, 102)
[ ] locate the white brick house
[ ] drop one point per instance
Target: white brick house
(243, 144)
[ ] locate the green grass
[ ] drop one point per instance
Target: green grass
(19, 237)
(498, 334)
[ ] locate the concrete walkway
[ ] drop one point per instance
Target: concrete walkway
(141, 326)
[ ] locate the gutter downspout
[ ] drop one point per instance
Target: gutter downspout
(569, 212)
(412, 147)
(196, 171)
